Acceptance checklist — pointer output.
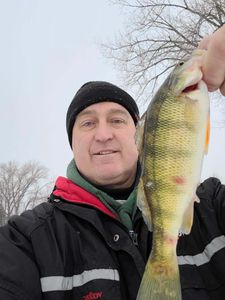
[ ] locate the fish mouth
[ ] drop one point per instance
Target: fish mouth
(194, 82)
(197, 86)
(190, 88)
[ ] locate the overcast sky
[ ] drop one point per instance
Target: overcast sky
(48, 50)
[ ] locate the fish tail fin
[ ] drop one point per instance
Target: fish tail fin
(160, 281)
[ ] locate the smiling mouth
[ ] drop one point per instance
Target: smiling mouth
(105, 152)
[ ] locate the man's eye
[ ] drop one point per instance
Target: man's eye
(87, 124)
(118, 121)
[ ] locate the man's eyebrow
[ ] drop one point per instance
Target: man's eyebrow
(119, 110)
(87, 112)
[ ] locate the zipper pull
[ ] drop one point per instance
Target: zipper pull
(134, 236)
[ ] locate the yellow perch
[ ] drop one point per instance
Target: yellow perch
(172, 138)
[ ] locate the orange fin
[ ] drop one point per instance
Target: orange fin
(207, 136)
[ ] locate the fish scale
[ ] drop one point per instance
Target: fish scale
(171, 140)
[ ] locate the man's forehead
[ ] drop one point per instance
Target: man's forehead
(106, 107)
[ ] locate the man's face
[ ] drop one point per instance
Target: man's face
(103, 145)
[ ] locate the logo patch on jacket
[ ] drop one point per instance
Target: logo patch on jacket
(92, 296)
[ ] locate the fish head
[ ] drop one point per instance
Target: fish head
(186, 79)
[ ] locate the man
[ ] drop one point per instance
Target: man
(90, 241)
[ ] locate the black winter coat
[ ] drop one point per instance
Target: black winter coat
(63, 250)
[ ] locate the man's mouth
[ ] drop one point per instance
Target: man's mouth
(105, 152)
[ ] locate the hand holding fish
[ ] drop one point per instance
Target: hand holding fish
(213, 65)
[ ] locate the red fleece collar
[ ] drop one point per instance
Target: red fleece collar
(69, 191)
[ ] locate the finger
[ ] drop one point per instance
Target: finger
(222, 89)
(214, 60)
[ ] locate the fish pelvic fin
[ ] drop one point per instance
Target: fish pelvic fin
(161, 281)
(139, 136)
(143, 205)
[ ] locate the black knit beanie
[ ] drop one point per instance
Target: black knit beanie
(98, 91)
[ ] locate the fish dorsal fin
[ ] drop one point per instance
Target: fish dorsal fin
(207, 136)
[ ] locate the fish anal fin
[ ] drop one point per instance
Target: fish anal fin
(188, 217)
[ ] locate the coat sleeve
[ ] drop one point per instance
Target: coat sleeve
(212, 191)
(219, 204)
(19, 276)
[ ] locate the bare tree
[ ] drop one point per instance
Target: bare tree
(159, 33)
(21, 187)
(2, 216)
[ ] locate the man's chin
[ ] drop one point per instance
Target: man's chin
(105, 177)
(112, 179)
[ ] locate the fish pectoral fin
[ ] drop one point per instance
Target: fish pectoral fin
(207, 136)
(139, 135)
(142, 203)
(188, 217)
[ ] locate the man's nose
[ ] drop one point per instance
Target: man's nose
(103, 132)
